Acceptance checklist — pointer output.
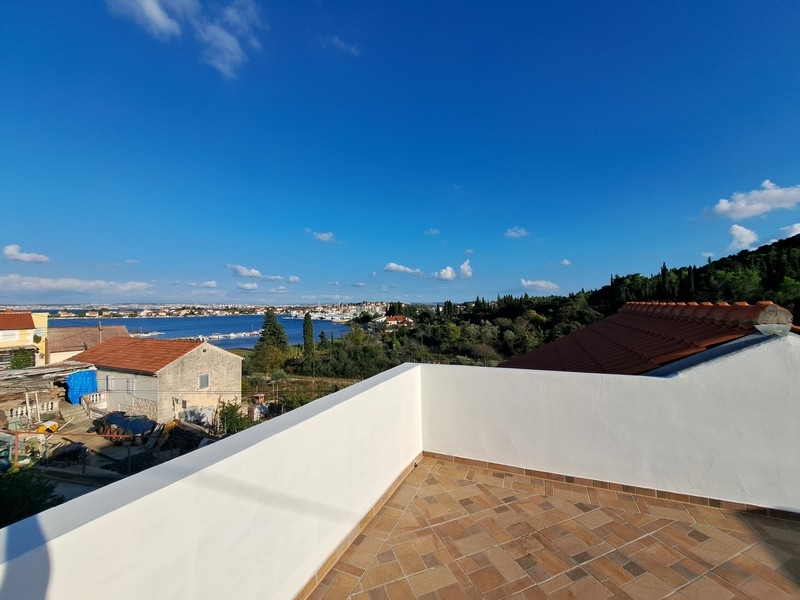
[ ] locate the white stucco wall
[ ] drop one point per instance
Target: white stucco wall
(726, 429)
(251, 516)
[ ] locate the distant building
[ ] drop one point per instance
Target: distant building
(395, 321)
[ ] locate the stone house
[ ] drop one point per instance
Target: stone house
(162, 378)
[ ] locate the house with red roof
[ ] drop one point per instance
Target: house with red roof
(395, 321)
(163, 378)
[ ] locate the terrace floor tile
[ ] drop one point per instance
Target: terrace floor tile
(454, 530)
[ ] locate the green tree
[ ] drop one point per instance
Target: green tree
(21, 359)
(273, 333)
(23, 494)
(271, 349)
(230, 419)
(308, 337)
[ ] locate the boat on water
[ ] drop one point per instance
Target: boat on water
(227, 336)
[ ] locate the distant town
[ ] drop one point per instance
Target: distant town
(331, 312)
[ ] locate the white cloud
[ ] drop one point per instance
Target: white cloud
(160, 18)
(14, 252)
(323, 237)
(359, 284)
(566, 262)
(469, 251)
(466, 269)
(791, 230)
(331, 283)
(708, 255)
(293, 279)
(241, 271)
(448, 274)
(517, 232)
(18, 283)
(401, 269)
(222, 49)
(205, 284)
(743, 238)
(273, 277)
(281, 289)
(538, 284)
(132, 261)
(220, 31)
(744, 205)
(338, 44)
(247, 286)
(431, 232)
(242, 16)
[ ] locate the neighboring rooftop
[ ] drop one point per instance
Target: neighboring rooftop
(38, 378)
(10, 321)
(72, 339)
(643, 336)
(135, 354)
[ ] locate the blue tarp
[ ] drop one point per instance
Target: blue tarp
(80, 383)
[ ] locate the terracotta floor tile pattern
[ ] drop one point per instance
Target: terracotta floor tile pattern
(453, 531)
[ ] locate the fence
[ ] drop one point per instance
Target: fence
(94, 403)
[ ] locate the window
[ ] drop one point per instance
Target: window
(204, 381)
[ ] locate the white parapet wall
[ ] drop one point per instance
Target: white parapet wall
(725, 429)
(251, 516)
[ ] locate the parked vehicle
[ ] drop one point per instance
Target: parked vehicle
(120, 427)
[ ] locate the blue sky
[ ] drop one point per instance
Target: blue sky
(316, 152)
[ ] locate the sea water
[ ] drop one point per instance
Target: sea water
(192, 327)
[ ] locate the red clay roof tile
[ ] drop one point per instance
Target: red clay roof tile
(136, 354)
(642, 336)
(12, 321)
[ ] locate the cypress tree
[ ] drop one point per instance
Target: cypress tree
(308, 336)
